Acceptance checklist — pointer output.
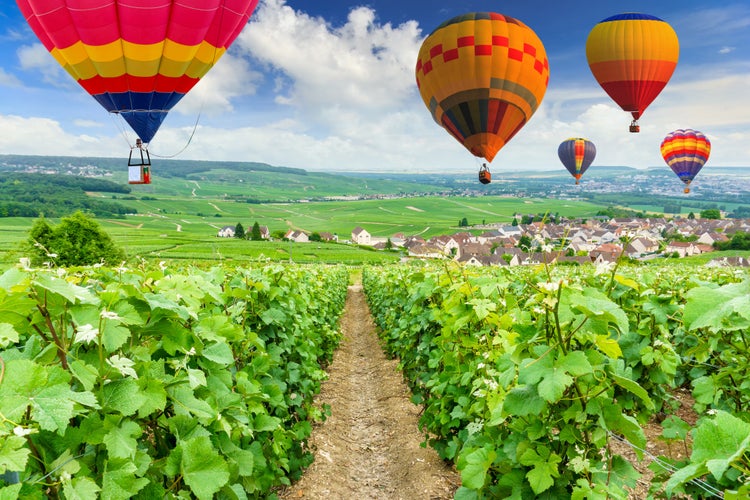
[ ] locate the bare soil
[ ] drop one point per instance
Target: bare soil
(370, 446)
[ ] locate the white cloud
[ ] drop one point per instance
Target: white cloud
(359, 71)
(727, 50)
(8, 80)
(36, 57)
(231, 77)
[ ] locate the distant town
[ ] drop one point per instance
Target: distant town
(597, 240)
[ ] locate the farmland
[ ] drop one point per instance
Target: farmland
(186, 228)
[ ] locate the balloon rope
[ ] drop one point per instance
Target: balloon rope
(190, 139)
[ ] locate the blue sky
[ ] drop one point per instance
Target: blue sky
(329, 85)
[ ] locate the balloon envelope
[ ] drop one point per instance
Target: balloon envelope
(576, 154)
(632, 56)
(686, 151)
(137, 58)
(482, 75)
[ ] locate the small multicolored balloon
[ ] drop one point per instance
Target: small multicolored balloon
(686, 151)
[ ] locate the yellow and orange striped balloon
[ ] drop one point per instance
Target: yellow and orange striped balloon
(632, 56)
(482, 75)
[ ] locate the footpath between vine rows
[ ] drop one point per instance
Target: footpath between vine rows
(369, 447)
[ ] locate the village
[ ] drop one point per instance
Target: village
(596, 240)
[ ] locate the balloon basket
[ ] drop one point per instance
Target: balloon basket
(139, 174)
(139, 167)
(686, 190)
(485, 177)
(635, 128)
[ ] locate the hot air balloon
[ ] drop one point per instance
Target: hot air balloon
(576, 154)
(632, 56)
(137, 58)
(482, 75)
(686, 151)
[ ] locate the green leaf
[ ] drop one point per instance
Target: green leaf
(185, 401)
(8, 335)
(704, 390)
(483, 307)
(478, 462)
(220, 353)
(13, 453)
(608, 346)
(553, 386)
(709, 307)
(121, 441)
(544, 469)
(70, 292)
(52, 407)
(114, 335)
(633, 387)
(719, 442)
(122, 396)
(120, 482)
(266, 423)
(154, 396)
(204, 470)
(576, 364)
(80, 488)
(86, 374)
(522, 401)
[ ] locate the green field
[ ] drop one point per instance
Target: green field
(186, 228)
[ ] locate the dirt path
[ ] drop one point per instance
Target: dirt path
(369, 448)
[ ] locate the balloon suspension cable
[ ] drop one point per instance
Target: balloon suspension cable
(121, 128)
(190, 139)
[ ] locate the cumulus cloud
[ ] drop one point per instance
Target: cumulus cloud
(36, 57)
(326, 72)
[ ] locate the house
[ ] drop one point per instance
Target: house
(226, 232)
(682, 248)
(641, 246)
(265, 233)
(608, 252)
(426, 251)
(709, 238)
(482, 260)
(474, 249)
(361, 236)
(296, 236)
(324, 236)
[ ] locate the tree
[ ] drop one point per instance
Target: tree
(239, 231)
(77, 241)
(315, 236)
(388, 244)
(691, 216)
(255, 232)
(524, 243)
(711, 213)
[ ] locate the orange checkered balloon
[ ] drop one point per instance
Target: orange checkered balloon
(482, 76)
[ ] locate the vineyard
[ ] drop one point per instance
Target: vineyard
(159, 383)
(189, 382)
(527, 375)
